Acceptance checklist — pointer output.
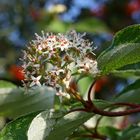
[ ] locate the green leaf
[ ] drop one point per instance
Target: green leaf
(84, 84)
(17, 102)
(42, 125)
(81, 26)
(102, 104)
(98, 26)
(6, 86)
(123, 51)
(55, 127)
(119, 56)
(129, 94)
(68, 124)
(131, 133)
(52, 125)
(17, 129)
(132, 96)
(127, 73)
(57, 26)
(110, 132)
(130, 34)
(133, 86)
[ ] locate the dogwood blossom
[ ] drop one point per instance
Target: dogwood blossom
(52, 59)
(35, 81)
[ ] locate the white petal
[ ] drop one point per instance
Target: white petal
(38, 83)
(33, 78)
(32, 84)
(38, 78)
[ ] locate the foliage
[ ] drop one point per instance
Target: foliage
(38, 114)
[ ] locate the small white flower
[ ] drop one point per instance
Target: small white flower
(87, 65)
(36, 65)
(63, 44)
(66, 82)
(26, 65)
(63, 94)
(35, 81)
(59, 71)
(40, 47)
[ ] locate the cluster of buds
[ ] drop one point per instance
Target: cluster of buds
(53, 59)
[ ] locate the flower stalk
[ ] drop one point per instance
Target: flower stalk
(89, 106)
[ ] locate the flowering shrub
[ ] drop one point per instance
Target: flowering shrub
(54, 64)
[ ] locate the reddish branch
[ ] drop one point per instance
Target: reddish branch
(90, 91)
(94, 109)
(89, 106)
(127, 104)
(114, 114)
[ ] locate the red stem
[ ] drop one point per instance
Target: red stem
(94, 109)
(90, 107)
(127, 104)
(90, 91)
(114, 114)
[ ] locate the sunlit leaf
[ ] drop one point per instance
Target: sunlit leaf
(84, 84)
(55, 127)
(17, 129)
(6, 86)
(127, 73)
(123, 51)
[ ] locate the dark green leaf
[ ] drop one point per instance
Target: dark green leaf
(110, 132)
(123, 51)
(127, 73)
(130, 93)
(119, 56)
(130, 34)
(17, 129)
(131, 133)
(42, 125)
(54, 127)
(66, 125)
(102, 104)
(133, 86)
(17, 102)
(132, 96)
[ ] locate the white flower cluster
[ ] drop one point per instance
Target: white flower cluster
(52, 59)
